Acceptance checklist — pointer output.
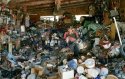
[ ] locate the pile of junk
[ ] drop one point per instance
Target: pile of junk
(44, 54)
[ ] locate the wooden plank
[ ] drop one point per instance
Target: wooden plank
(37, 3)
(74, 10)
(40, 2)
(63, 5)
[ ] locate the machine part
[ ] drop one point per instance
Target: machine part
(122, 49)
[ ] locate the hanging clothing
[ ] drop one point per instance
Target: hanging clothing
(27, 22)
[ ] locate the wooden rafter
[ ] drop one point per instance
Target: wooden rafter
(36, 6)
(63, 4)
(34, 3)
(62, 7)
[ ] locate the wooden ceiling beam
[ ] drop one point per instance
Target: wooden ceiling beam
(74, 10)
(37, 3)
(30, 1)
(40, 2)
(52, 5)
(43, 6)
(33, 1)
(23, 1)
(14, 3)
(62, 7)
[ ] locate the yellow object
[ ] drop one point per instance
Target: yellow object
(113, 31)
(0, 47)
(10, 47)
(37, 70)
(111, 77)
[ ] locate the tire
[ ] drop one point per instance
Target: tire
(122, 50)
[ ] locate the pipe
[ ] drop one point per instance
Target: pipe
(116, 25)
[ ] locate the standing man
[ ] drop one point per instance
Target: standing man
(70, 37)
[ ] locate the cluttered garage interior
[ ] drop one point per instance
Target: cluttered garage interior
(62, 39)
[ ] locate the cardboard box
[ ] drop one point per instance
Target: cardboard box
(65, 74)
(56, 76)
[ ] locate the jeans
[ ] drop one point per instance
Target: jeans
(73, 46)
(11, 58)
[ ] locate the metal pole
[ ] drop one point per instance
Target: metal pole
(116, 25)
(54, 24)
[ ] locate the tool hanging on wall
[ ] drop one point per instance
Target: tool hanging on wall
(92, 9)
(58, 4)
